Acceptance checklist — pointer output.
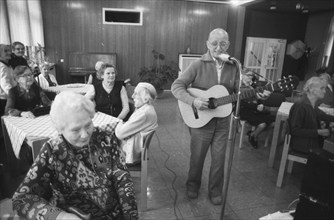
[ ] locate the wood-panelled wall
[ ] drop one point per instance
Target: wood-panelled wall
(169, 26)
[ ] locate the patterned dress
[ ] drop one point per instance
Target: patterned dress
(92, 179)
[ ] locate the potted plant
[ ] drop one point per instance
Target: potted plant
(160, 73)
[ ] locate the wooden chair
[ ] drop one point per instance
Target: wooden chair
(272, 103)
(288, 155)
(242, 132)
(141, 170)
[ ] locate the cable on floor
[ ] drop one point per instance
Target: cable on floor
(174, 179)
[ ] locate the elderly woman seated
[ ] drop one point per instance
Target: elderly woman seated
(142, 121)
(79, 171)
(46, 79)
(110, 95)
(95, 77)
(328, 100)
(26, 95)
(307, 123)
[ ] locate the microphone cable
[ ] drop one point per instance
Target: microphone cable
(174, 179)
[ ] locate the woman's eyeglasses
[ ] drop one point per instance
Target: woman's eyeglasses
(20, 48)
(27, 75)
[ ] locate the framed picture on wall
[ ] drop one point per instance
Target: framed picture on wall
(185, 60)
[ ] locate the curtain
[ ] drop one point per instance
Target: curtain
(329, 49)
(21, 20)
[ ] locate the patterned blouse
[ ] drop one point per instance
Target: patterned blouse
(92, 179)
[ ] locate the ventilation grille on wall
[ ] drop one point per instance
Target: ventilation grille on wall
(122, 16)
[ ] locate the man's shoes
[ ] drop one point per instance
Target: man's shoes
(192, 194)
(217, 200)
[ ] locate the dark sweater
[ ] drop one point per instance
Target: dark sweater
(17, 61)
(19, 100)
(109, 103)
(304, 121)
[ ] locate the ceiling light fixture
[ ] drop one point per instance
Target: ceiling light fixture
(273, 5)
(305, 10)
(299, 6)
(228, 2)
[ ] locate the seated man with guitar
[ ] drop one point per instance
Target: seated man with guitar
(253, 110)
(207, 113)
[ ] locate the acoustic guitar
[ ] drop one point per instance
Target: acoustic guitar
(220, 102)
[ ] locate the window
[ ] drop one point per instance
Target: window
(121, 16)
(185, 60)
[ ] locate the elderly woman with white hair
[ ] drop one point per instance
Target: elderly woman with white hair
(309, 125)
(142, 121)
(79, 172)
(328, 100)
(46, 79)
(96, 77)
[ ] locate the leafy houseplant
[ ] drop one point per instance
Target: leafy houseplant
(160, 73)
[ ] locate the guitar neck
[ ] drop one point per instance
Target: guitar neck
(243, 95)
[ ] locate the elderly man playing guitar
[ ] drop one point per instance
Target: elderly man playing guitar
(208, 125)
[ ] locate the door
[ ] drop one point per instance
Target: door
(265, 56)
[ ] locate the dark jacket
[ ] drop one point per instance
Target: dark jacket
(304, 121)
(17, 61)
(19, 100)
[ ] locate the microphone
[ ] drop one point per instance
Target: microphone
(227, 58)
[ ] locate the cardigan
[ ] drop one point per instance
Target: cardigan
(304, 121)
(43, 82)
(202, 74)
(19, 100)
(6, 79)
(141, 122)
(93, 179)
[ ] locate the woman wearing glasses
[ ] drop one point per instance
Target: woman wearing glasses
(17, 55)
(26, 95)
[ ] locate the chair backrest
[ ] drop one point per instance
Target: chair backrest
(146, 144)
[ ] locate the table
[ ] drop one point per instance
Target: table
(329, 144)
(39, 129)
(74, 87)
(282, 115)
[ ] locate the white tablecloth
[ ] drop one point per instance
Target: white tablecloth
(75, 87)
(19, 129)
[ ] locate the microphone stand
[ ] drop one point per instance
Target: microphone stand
(234, 123)
(268, 80)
